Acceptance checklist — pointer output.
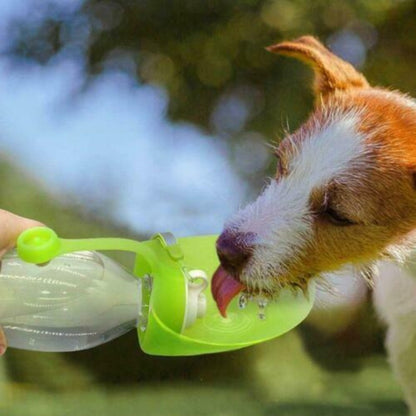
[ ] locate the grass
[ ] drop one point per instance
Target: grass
(280, 379)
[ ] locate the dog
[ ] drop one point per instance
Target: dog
(343, 198)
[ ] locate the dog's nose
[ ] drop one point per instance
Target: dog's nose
(234, 249)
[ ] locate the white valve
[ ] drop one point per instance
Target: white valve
(196, 306)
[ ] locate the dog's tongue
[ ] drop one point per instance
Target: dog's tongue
(224, 289)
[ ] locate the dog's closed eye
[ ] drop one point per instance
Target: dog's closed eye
(323, 202)
(335, 217)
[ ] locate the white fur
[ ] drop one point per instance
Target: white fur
(280, 217)
(395, 300)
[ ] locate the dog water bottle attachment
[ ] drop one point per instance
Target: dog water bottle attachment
(196, 306)
(81, 298)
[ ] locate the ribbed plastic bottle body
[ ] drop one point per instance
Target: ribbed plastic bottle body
(77, 301)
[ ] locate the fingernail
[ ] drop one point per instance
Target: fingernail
(2, 349)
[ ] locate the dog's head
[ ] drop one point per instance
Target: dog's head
(344, 189)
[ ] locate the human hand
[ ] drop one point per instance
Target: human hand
(11, 226)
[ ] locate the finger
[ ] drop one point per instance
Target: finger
(3, 342)
(11, 225)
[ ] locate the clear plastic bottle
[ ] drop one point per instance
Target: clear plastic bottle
(76, 301)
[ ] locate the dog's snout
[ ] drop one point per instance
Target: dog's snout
(234, 250)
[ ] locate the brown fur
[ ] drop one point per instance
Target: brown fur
(332, 73)
(378, 195)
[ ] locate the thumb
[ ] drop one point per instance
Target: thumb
(3, 342)
(11, 225)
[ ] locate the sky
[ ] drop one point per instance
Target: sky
(110, 146)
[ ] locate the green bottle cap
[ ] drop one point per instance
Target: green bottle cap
(38, 245)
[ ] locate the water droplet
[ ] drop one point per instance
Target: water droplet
(261, 304)
(262, 316)
(143, 324)
(242, 301)
(148, 282)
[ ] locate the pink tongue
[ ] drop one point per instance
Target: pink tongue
(224, 289)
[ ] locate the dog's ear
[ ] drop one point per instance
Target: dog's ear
(331, 72)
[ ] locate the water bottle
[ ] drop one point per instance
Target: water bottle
(81, 298)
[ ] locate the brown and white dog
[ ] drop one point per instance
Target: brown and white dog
(343, 198)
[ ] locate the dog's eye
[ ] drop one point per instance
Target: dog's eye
(336, 218)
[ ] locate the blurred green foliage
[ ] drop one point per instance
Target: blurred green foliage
(204, 50)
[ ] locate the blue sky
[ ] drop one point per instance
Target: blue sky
(110, 147)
